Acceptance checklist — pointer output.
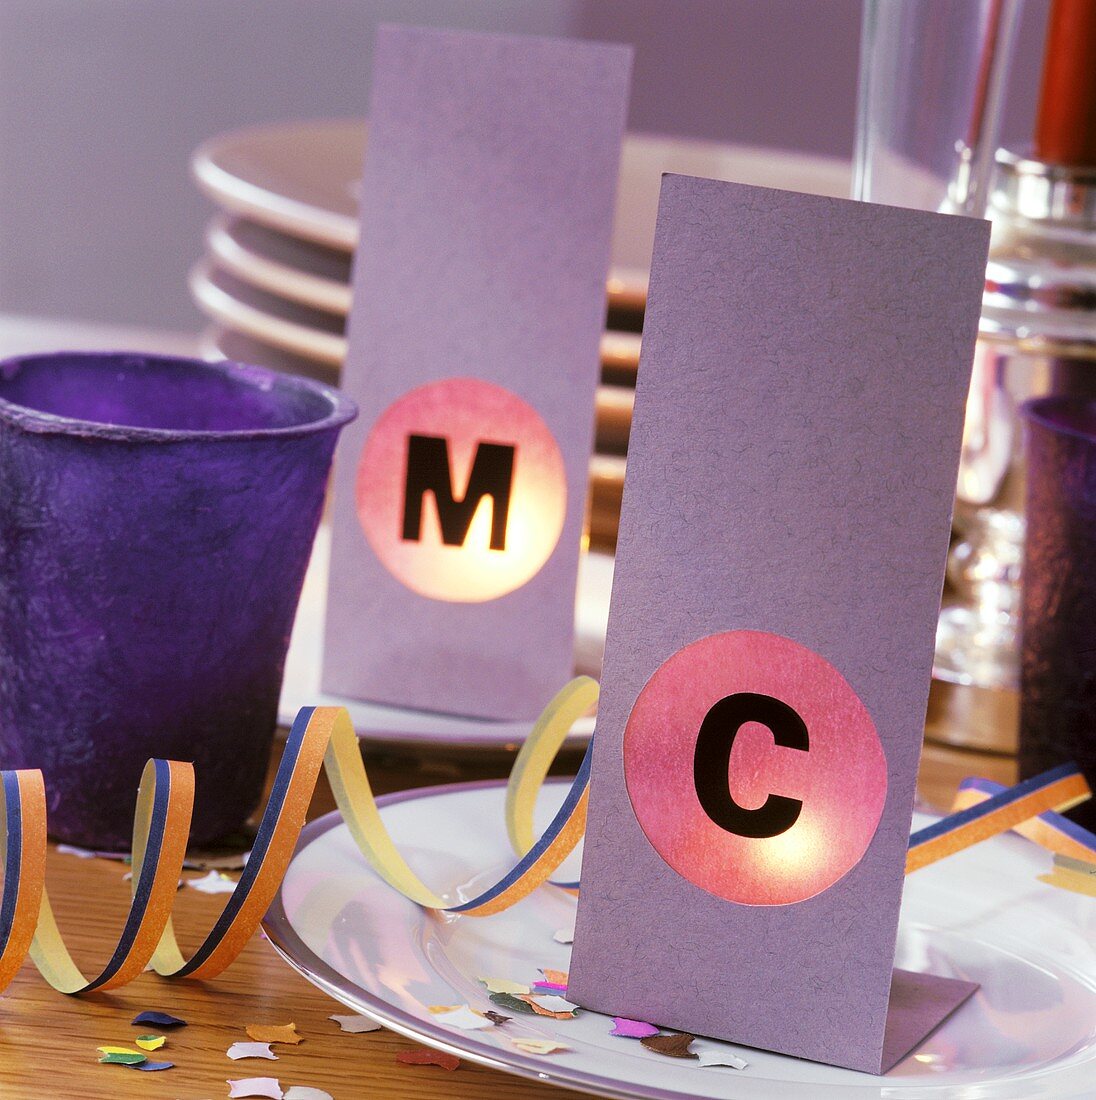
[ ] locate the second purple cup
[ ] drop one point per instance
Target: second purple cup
(1058, 633)
(156, 520)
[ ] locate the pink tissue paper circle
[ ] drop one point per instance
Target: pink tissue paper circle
(465, 413)
(839, 779)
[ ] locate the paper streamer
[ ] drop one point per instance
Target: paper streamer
(1057, 789)
(319, 736)
(1077, 875)
(1049, 830)
(324, 736)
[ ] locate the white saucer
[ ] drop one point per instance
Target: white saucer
(309, 333)
(1029, 1033)
(295, 269)
(301, 684)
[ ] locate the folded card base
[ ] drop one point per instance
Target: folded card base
(919, 1004)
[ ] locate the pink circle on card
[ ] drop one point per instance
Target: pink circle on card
(827, 786)
(461, 490)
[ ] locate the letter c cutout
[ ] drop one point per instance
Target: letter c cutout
(712, 758)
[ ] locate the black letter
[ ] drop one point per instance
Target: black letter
(713, 756)
(428, 471)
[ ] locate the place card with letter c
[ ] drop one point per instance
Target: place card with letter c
(786, 516)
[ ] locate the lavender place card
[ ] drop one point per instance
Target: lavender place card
(786, 516)
(479, 299)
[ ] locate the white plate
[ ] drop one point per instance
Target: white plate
(1029, 1032)
(301, 684)
(302, 178)
(288, 266)
(318, 335)
(300, 330)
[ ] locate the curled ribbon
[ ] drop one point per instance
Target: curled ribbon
(319, 737)
(324, 737)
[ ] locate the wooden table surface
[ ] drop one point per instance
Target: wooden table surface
(48, 1041)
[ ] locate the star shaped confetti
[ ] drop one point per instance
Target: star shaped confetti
(424, 1057)
(632, 1029)
(269, 1087)
(721, 1058)
(274, 1033)
(355, 1025)
(251, 1050)
(673, 1046)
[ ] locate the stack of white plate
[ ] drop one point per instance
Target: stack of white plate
(275, 280)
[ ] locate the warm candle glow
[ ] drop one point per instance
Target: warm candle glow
(499, 474)
(786, 797)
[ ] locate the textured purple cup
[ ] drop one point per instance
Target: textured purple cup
(156, 519)
(1058, 632)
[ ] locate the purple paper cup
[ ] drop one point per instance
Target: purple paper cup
(1058, 623)
(156, 519)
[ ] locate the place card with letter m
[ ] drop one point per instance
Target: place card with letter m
(786, 516)
(479, 302)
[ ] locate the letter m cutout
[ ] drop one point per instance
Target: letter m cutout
(428, 471)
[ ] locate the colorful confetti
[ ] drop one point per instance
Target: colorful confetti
(355, 1025)
(560, 1013)
(721, 1058)
(673, 1046)
(153, 1067)
(497, 1017)
(424, 1057)
(274, 1033)
(565, 935)
(553, 1002)
(304, 1092)
(117, 1056)
(251, 1050)
(632, 1029)
(464, 1018)
(504, 985)
(515, 1004)
(557, 978)
(213, 882)
(72, 850)
(256, 1086)
(538, 1046)
(150, 1042)
(158, 1019)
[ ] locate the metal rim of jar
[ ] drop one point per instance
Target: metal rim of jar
(1038, 191)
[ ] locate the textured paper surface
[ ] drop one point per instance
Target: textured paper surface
(487, 202)
(791, 470)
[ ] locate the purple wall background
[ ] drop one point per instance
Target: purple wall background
(102, 101)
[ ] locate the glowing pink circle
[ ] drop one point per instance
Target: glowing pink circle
(841, 780)
(466, 412)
